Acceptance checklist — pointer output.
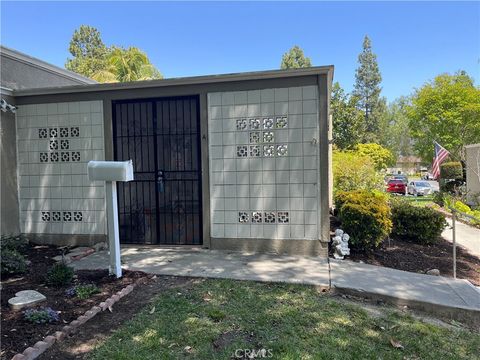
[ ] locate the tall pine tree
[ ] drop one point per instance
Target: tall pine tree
(367, 89)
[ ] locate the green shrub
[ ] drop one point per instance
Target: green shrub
(421, 225)
(352, 171)
(451, 170)
(12, 262)
(439, 198)
(59, 275)
(365, 216)
(85, 291)
(13, 242)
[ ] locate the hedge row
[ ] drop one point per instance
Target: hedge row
(369, 218)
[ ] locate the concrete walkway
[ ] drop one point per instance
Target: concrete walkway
(456, 298)
(466, 236)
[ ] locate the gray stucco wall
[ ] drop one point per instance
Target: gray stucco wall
(9, 222)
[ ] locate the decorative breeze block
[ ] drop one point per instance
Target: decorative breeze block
(75, 131)
(282, 150)
(268, 150)
(77, 216)
(255, 151)
(56, 216)
(53, 132)
(43, 157)
(282, 217)
(254, 124)
(45, 216)
(42, 133)
(64, 132)
(268, 136)
(54, 157)
(242, 217)
(268, 123)
(67, 216)
(270, 217)
(257, 217)
(64, 144)
(241, 124)
(254, 137)
(281, 122)
(53, 145)
(75, 155)
(242, 151)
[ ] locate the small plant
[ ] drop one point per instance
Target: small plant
(18, 243)
(41, 316)
(12, 262)
(59, 275)
(71, 292)
(85, 291)
(419, 224)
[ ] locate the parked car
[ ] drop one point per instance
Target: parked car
(396, 186)
(402, 177)
(419, 188)
(427, 176)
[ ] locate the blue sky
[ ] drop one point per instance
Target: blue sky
(413, 41)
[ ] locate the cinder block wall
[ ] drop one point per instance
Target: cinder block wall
(55, 141)
(264, 174)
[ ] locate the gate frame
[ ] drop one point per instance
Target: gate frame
(153, 101)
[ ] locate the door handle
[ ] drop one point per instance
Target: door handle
(160, 182)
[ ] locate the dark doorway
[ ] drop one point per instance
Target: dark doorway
(162, 137)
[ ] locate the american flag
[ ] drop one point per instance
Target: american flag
(440, 154)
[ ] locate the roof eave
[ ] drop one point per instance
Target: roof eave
(206, 79)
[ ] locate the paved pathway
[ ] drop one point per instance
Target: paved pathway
(404, 287)
(466, 236)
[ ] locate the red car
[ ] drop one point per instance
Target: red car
(396, 186)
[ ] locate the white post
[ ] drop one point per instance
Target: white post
(454, 215)
(113, 234)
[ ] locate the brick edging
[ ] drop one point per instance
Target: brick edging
(41, 346)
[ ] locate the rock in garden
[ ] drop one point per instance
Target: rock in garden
(25, 298)
(434, 272)
(100, 246)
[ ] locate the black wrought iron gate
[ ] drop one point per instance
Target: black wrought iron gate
(162, 137)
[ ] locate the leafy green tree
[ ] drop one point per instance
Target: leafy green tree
(380, 156)
(88, 51)
(129, 64)
(92, 58)
(347, 119)
(294, 59)
(446, 110)
(367, 89)
(394, 129)
(354, 171)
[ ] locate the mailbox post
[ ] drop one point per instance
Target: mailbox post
(111, 172)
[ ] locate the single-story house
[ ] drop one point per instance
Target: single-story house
(235, 161)
(408, 165)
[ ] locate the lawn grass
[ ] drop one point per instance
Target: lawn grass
(212, 318)
(421, 201)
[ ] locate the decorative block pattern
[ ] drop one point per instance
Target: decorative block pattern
(54, 144)
(263, 148)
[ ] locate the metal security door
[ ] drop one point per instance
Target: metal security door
(163, 204)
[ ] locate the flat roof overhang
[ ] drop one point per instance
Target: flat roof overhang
(195, 80)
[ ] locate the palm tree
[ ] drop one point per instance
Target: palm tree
(125, 65)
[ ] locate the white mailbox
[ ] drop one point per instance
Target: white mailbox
(110, 170)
